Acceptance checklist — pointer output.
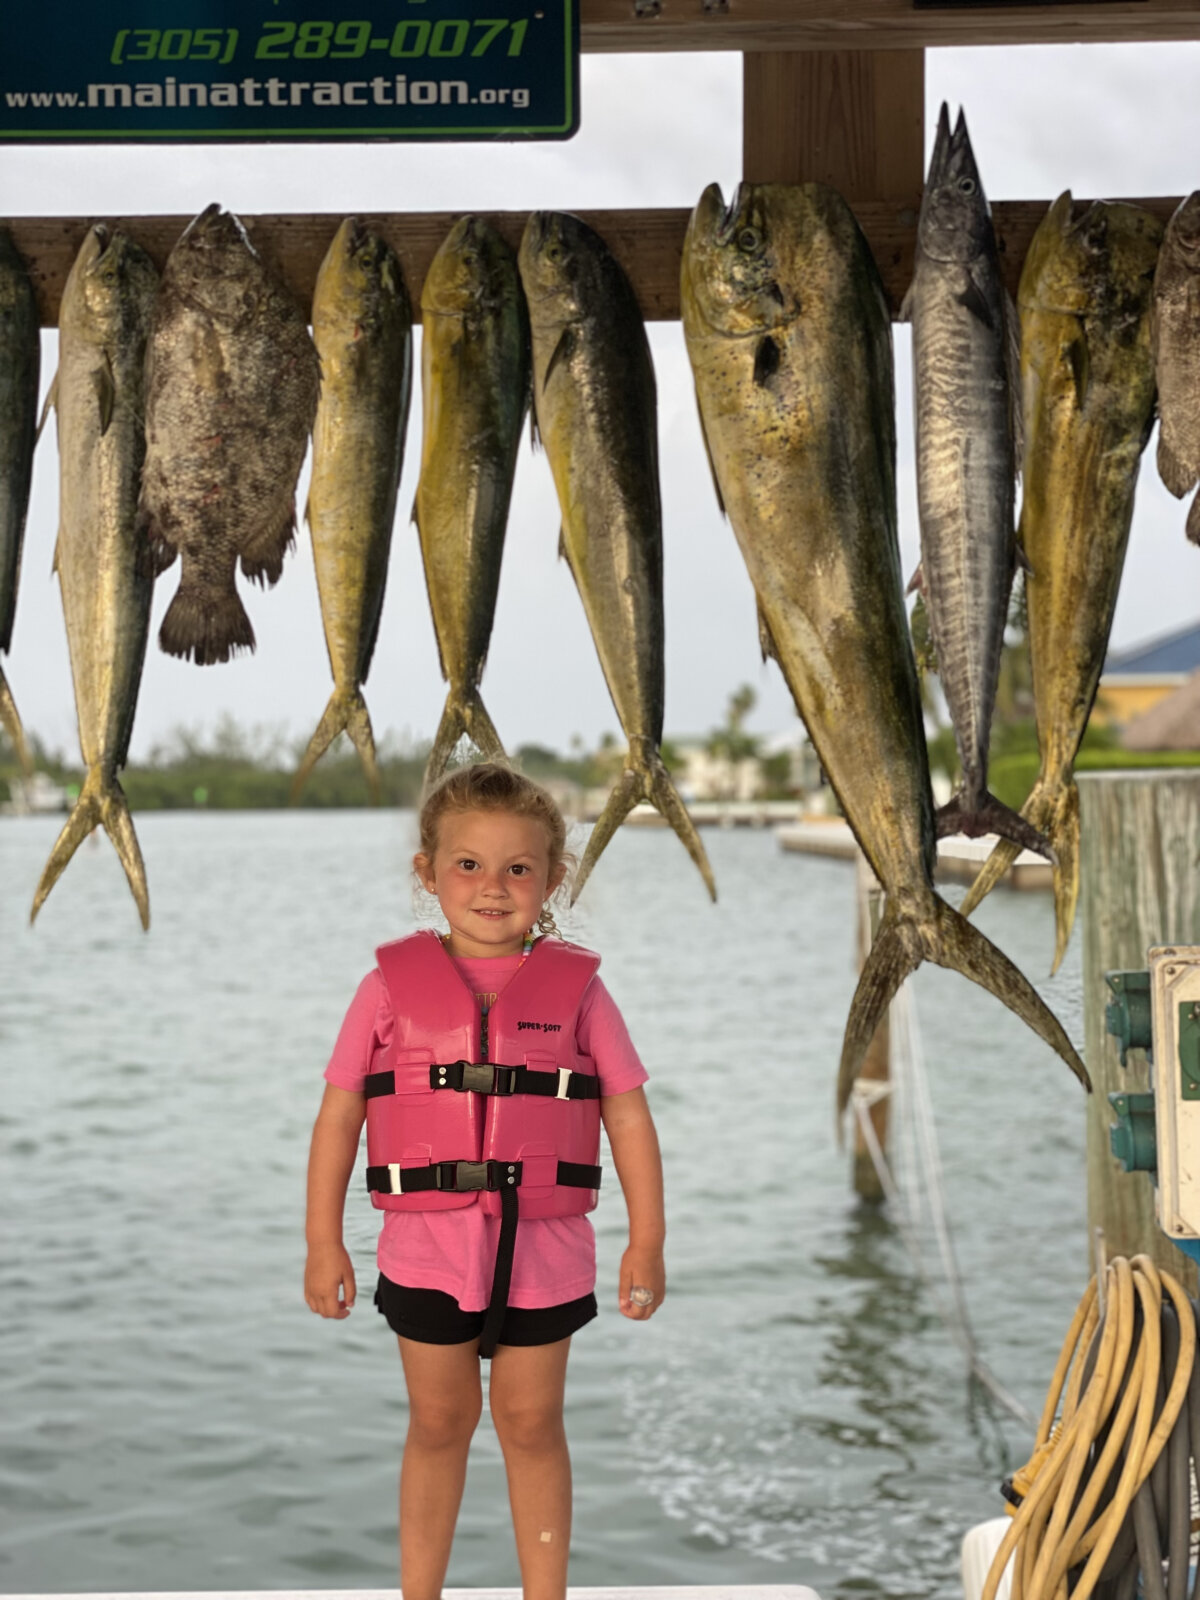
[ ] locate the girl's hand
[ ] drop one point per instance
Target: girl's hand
(328, 1270)
(643, 1269)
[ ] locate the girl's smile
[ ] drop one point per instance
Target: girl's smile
(491, 874)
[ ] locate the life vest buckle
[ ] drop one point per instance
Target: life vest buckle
(479, 1077)
(462, 1176)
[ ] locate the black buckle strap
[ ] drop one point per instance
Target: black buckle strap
(450, 1177)
(486, 1077)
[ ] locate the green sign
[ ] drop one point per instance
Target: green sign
(163, 70)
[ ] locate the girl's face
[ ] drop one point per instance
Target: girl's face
(491, 875)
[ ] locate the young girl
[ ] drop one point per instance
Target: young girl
(484, 1061)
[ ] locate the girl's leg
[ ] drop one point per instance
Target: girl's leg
(444, 1400)
(526, 1398)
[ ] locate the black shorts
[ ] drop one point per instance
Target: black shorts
(431, 1317)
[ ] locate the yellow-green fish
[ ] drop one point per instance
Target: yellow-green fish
(594, 399)
(790, 342)
(1087, 399)
(1175, 335)
(20, 363)
(362, 327)
(475, 390)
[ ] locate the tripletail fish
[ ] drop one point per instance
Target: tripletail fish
(20, 366)
(596, 412)
(790, 341)
(475, 389)
(965, 405)
(362, 327)
(1087, 400)
(231, 392)
(1175, 336)
(98, 396)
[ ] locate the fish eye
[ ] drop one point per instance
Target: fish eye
(468, 259)
(749, 239)
(966, 186)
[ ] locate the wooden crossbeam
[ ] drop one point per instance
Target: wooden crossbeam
(648, 243)
(638, 25)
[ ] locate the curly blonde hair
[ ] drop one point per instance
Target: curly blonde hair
(491, 786)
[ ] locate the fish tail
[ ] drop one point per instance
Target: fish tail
(985, 814)
(205, 624)
(463, 713)
(644, 778)
(101, 803)
(346, 713)
(948, 939)
(1193, 519)
(11, 720)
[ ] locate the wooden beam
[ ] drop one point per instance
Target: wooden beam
(851, 118)
(649, 244)
(636, 25)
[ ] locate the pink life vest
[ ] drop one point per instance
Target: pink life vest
(508, 1093)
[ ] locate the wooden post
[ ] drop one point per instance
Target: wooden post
(875, 1066)
(1139, 886)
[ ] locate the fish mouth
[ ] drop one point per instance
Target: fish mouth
(356, 235)
(732, 213)
(941, 149)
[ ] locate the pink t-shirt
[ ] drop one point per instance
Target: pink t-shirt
(455, 1251)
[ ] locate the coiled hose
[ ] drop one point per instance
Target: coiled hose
(1107, 1492)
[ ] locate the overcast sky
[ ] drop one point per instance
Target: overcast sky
(1103, 120)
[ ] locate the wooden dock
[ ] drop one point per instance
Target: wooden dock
(719, 1591)
(721, 814)
(959, 860)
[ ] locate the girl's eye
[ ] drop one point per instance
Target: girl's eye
(467, 864)
(519, 870)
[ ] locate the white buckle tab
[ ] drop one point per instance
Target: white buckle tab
(394, 1176)
(564, 1078)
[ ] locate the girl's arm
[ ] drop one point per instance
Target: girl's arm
(330, 1163)
(630, 1129)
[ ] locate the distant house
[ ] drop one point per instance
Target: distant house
(1172, 724)
(1135, 680)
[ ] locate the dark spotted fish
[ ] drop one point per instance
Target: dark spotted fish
(20, 365)
(1175, 334)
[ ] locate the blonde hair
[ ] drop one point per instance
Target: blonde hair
(491, 786)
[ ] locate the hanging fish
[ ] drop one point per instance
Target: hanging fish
(594, 400)
(231, 392)
(475, 388)
(1087, 388)
(362, 327)
(98, 395)
(965, 405)
(1175, 336)
(790, 341)
(20, 366)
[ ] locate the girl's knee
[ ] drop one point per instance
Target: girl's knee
(443, 1425)
(527, 1426)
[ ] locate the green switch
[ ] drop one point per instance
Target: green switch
(1189, 1049)
(1132, 1135)
(1127, 1015)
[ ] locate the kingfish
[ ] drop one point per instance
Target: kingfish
(965, 381)
(20, 364)
(231, 392)
(362, 327)
(1087, 398)
(1175, 337)
(98, 395)
(790, 341)
(475, 389)
(595, 406)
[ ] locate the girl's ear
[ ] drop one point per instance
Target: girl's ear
(423, 867)
(554, 881)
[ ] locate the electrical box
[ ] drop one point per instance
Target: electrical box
(1175, 1021)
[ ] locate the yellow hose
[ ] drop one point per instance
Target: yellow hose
(1053, 1531)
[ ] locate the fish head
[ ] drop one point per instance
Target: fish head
(1099, 263)
(955, 221)
(732, 280)
(216, 268)
(360, 270)
(473, 271)
(565, 266)
(1183, 231)
(111, 276)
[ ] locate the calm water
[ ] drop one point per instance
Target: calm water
(173, 1417)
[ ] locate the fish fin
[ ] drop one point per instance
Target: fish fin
(989, 815)
(1193, 521)
(1175, 474)
(463, 714)
(893, 955)
(905, 314)
(414, 517)
(262, 559)
(972, 299)
(766, 360)
(1079, 362)
(204, 624)
(563, 351)
(106, 393)
(153, 552)
(1004, 853)
(1020, 559)
(1012, 362)
(916, 584)
(712, 466)
(346, 712)
(644, 778)
(100, 804)
(535, 436)
(766, 639)
(10, 718)
(50, 403)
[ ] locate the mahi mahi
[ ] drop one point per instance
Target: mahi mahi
(97, 396)
(362, 326)
(475, 389)
(790, 342)
(964, 376)
(1087, 395)
(1175, 335)
(231, 392)
(20, 357)
(594, 401)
